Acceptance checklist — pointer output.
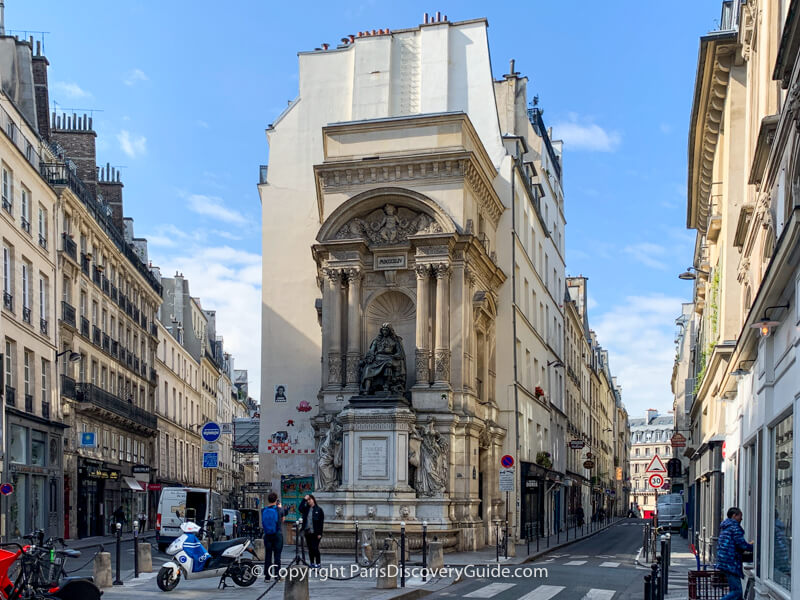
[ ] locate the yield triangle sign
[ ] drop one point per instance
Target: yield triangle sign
(656, 466)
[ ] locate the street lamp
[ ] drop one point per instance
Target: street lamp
(687, 275)
(555, 363)
(740, 372)
(765, 325)
(73, 356)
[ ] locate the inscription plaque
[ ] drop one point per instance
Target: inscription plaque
(393, 262)
(373, 460)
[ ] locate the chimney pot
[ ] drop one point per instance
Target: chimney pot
(352, 38)
(438, 16)
(425, 18)
(325, 46)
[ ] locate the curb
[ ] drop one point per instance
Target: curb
(541, 553)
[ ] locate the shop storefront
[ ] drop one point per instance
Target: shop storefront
(108, 494)
(34, 469)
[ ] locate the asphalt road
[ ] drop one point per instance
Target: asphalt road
(598, 568)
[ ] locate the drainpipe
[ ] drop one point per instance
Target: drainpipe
(514, 166)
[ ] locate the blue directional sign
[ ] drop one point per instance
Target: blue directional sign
(211, 431)
(210, 460)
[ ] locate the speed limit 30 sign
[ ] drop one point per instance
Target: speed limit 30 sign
(656, 480)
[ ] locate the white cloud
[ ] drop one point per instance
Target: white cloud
(135, 76)
(586, 135)
(70, 89)
(648, 254)
(132, 145)
(201, 123)
(665, 128)
(639, 336)
(213, 206)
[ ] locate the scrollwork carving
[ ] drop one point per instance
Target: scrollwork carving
(442, 364)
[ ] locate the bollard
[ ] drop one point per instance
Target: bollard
(647, 591)
(102, 570)
(537, 537)
(528, 537)
(436, 556)
(387, 573)
(118, 580)
(402, 554)
(296, 586)
(505, 540)
(144, 552)
(356, 546)
(299, 550)
(258, 548)
(136, 548)
(654, 583)
(497, 539)
(665, 561)
(424, 551)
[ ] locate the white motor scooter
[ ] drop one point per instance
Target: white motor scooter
(192, 561)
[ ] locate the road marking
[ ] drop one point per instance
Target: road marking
(581, 556)
(543, 592)
(609, 564)
(490, 590)
(596, 594)
(575, 563)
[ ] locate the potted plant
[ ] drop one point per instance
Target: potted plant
(543, 459)
(538, 392)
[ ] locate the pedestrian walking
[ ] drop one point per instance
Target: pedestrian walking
(579, 515)
(730, 548)
(271, 518)
(313, 523)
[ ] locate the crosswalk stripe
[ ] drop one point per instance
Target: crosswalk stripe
(543, 592)
(597, 594)
(609, 564)
(490, 590)
(575, 563)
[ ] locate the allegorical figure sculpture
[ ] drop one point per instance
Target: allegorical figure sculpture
(384, 366)
(430, 477)
(330, 458)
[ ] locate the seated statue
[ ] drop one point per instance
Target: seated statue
(384, 366)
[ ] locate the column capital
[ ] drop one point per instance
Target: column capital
(423, 271)
(442, 270)
(333, 275)
(353, 274)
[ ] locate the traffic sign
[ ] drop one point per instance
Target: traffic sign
(678, 440)
(210, 460)
(211, 431)
(656, 466)
(6, 489)
(577, 444)
(588, 464)
(88, 439)
(507, 461)
(210, 446)
(656, 480)
(507, 480)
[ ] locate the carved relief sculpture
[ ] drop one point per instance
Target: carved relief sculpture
(330, 458)
(384, 366)
(431, 475)
(387, 226)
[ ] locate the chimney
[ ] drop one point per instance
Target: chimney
(76, 136)
(109, 184)
(2, 17)
(41, 93)
(651, 413)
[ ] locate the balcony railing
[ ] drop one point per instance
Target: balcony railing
(69, 247)
(136, 364)
(68, 387)
(45, 409)
(106, 285)
(85, 264)
(106, 342)
(114, 295)
(43, 326)
(11, 396)
(97, 277)
(152, 374)
(59, 174)
(85, 327)
(154, 329)
(136, 314)
(144, 369)
(67, 313)
(26, 314)
(26, 224)
(8, 301)
(114, 348)
(28, 403)
(91, 394)
(143, 321)
(43, 241)
(7, 206)
(96, 338)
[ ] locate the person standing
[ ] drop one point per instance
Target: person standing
(730, 548)
(579, 515)
(271, 517)
(313, 523)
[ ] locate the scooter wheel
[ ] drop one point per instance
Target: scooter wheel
(243, 574)
(167, 580)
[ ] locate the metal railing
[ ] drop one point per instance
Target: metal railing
(8, 301)
(69, 247)
(68, 387)
(90, 393)
(11, 396)
(45, 409)
(26, 314)
(43, 326)
(85, 327)
(67, 313)
(28, 403)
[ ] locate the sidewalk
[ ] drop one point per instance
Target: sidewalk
(681, 562)
(108, 541)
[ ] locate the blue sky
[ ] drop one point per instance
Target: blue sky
(185, 89)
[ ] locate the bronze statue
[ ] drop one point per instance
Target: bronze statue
(384, 366)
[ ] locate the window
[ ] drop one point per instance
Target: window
(43, 297)
(8, 190)
(17, 444)
(128, 451)
(38, 447)
(781, 556)
(27, 371)
(43, 227)
(8, 274)
(26, 285)
(9, 366)
(25, 214)
(45, 380)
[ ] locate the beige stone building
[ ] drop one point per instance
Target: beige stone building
(650, 437)
(28, 329)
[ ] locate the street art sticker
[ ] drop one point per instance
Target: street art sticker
(280, 393)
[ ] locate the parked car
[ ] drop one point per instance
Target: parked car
(231, 520)
(179, 504)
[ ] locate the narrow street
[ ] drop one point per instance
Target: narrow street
(599, 568)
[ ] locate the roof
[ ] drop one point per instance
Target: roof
(660, 421)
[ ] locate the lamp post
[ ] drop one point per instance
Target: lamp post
(687, 275)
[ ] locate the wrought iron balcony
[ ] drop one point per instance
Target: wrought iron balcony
(97, 277)
(106, 342)
(143, 321)
(43, 241)
(114, 348)
(85, 264)
(26, 224)
(7, 206)
(67, 313)
(154, 329)
(96, 338)
(68, 387)
(11, 396)
(152, 374)
(144, 369)
(88, 393)
(69, 247)
(136, 314)
(43, 326)
(114, 295)
(8, 301)
(26, 314)
(28, 403)
(136, 364)
(45, 409)
(85, 327)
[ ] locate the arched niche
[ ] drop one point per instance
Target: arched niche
(398, 309)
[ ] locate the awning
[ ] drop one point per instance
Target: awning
(133, 484)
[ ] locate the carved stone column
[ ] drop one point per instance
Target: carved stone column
(353, 326)
(442, 352)
(335, 345)
(422, 359)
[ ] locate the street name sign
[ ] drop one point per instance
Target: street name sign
(507, 480)
(656, 466)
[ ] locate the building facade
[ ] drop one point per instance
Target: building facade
(649, 438)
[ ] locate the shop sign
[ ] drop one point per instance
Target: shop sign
(678, 440)
(531, 483)
(588, 464)
(140, 469)
(154, 487)
(577, 444)
(102, 474)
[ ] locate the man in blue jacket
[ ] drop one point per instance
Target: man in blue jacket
(730, 548)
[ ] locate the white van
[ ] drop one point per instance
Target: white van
(179, 504)
(231, 520)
